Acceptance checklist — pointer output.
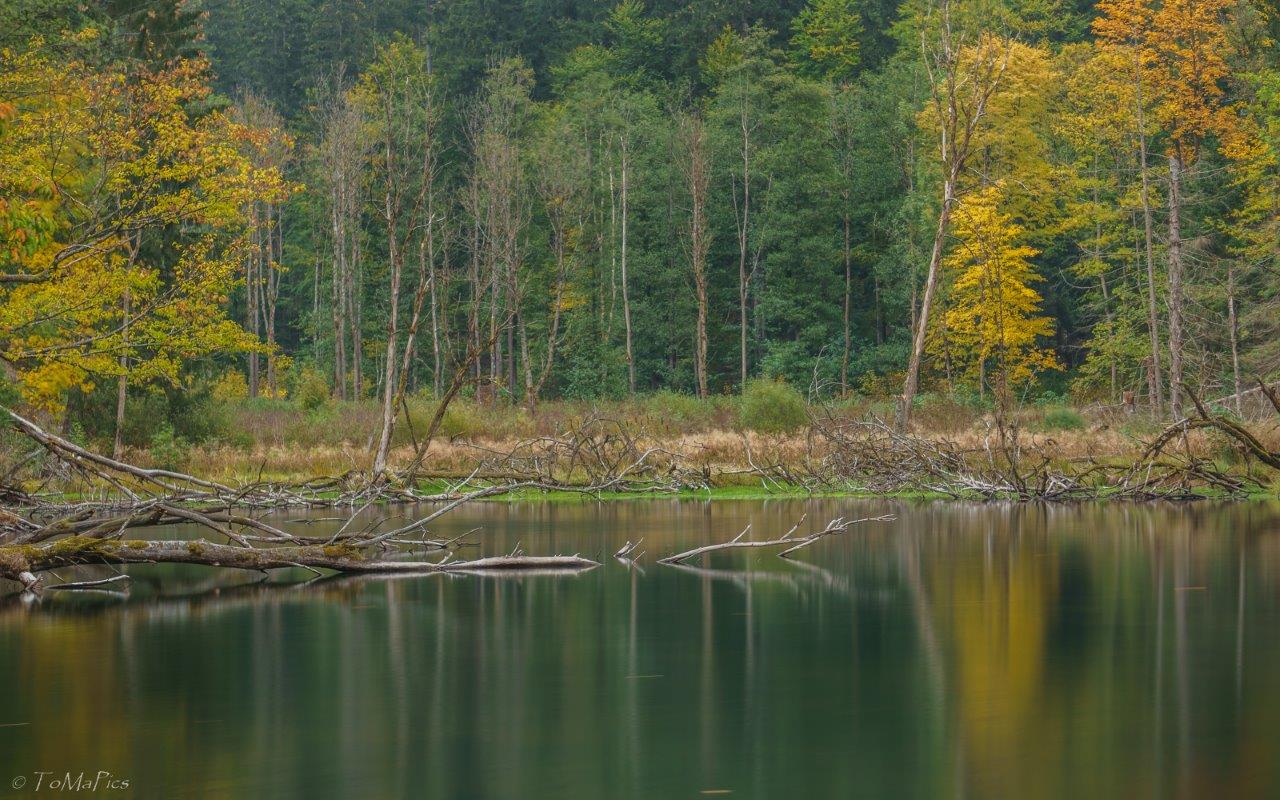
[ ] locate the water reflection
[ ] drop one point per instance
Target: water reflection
(962, 651)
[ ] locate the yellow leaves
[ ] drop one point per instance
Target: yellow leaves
(1012, 122)
(1179, 51)
(1098, 101)
(994, 314)
(106, 178)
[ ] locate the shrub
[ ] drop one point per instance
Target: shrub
(463, 418)
(673, 410)
(230, 388)
(10, 394)
(168, 449)
(771, 406)
(948, 413)
(1062, 419)
(311, 389)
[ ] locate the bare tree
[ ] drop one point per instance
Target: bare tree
(398, 95)
(264, 260)
(497, 204)
(341, 154)
(1155, 380)
(694, 167)
(963, 75)
(624, 166)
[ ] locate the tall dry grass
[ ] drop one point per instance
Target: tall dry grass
(280, 440)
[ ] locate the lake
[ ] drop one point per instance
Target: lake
(963, 650)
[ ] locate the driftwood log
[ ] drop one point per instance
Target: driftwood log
(23, 563)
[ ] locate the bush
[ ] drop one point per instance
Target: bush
(188, 408)
(771, 406)
(311, 389)
(10, 394)
(677, 411)
(230, 388)
(168, 449)
(948, 413)
(1062, 419)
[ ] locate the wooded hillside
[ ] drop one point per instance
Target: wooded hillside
(528, 201)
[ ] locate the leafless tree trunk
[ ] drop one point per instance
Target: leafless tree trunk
(271, 296)
(1155, 378)
(1233, 326)
(1175, 282)
(253, 306)
(437, 343)
(342, 155)
(693, 164)
(409, 167)
(742, 215)
(122, 383)
(848, 299)
(498, 207)
(625, 153)
(961, 90)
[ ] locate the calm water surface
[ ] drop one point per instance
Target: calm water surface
(961, 651)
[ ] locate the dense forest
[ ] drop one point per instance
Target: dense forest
(565, 199)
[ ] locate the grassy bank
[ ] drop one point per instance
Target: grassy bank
(724, 439)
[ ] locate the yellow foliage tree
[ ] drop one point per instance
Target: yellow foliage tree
(993, 323)
(122, 220)
(1179, 49)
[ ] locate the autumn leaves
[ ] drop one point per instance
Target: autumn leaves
(125, 218)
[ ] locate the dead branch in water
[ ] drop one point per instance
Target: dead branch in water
(90, 585)
(42, 535)
(835, 526)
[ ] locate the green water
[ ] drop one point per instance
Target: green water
(962, 651)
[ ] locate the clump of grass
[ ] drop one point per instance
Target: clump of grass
(771, 406)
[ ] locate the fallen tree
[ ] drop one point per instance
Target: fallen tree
(24, 563)
(40, 533)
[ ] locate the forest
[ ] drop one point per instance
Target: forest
(334, 334)
(385, 207)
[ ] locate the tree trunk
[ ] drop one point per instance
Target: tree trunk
(436, 356)
(1175, 282)
(1234, 327)
(626, 295)
(389, 395)
(1155, 376)
(912, 382)
(122, 385)
(553, 332)
(252, 289)
(744, 240)
(848, 296)
(275, 244)
(338, 297)
(355, 296)
(699, 245)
